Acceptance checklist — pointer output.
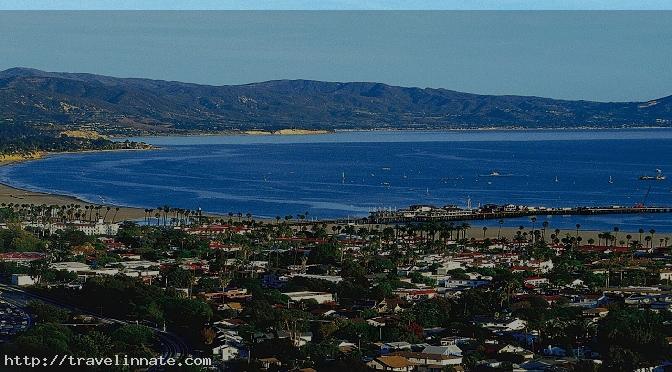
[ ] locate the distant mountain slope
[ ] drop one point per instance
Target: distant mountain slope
(109, 105)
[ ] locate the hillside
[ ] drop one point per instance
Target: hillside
(67, 101)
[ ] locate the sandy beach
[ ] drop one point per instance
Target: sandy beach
(14, 195)
(9, 194)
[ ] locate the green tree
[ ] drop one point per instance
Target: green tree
(43, 340)
(45, 313)
(630, 338)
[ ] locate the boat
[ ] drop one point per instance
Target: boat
(556, 179)
(611, 180)
(494, 173)
(658, 177)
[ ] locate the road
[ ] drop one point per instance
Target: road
(172, 345)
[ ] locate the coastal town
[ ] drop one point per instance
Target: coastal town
(294, 294)
(335, 186)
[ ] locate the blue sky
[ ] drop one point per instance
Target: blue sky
(591, 55)
(338, 4)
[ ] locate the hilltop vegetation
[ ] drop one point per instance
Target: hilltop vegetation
(68, 101)
(21, 141)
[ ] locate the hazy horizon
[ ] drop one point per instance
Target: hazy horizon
(337, 5)
(597, 56)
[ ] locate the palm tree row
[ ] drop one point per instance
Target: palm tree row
(44, 213)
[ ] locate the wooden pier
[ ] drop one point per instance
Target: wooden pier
(391, 217)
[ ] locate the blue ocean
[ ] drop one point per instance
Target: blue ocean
(350, 173)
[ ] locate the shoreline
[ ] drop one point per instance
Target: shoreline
(13, 194)
(308, 132)
(10, 194)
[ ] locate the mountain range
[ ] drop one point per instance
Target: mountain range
(110, 105)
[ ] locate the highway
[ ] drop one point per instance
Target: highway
(172, 345)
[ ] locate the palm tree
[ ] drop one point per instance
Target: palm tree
(578, 226)
(641, 232)
(519, 238)
(484, 230)
(464, 227)
(616, 230)
(533, 219)
(499, 232)
(543, 231)
(653, 234)
(107, 210)
(608, 238)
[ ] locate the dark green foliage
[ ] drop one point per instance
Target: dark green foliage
(324, 254)
(8, 215)
(23, 139)
(45, 313)
(17, 240)
(178, 277)
(43, 340)
(128, 298)
(630, 338)
(135, 338)
(184, 312)
(433, 313)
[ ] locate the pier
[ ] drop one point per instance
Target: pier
(418, 214)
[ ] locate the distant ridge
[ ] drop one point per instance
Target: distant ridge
(109, 105)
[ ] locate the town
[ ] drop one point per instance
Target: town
(293, 294)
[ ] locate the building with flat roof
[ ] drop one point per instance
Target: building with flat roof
(320, 297)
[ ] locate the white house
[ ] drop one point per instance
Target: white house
(430, 362)
(226, 352)
(464, 283)
(506, 325)
(446, 350)
(89, 228)
(389, 347)
(536, 281)
(320, 297)
(23, 280)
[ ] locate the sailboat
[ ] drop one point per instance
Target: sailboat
(556, 179)
(611, 180)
